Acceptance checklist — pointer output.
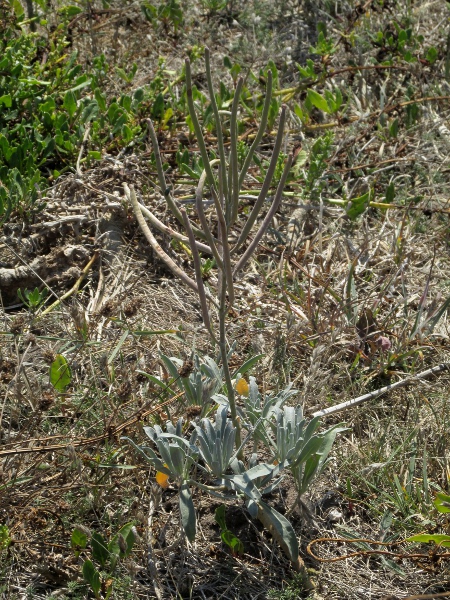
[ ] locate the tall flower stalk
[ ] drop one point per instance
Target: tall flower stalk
(223, 181)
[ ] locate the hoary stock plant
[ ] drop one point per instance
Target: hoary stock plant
(211, 457)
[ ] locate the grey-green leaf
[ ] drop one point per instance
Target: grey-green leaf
(187, 512)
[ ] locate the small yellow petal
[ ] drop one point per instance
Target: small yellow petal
(242, 387)
(162, 479)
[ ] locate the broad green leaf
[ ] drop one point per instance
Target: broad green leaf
(390, 193)
(99, 548)
(127, 133)
(90, 111)
(318, 101)
(70, 103)
(78, 541)
(92, 577)
(281, 530)
(299, 112)
(6, 100)
(358, 205)
(219, 516)
(393, 128)
(167, 115)
(101, 100)
(237, 547)
(248, 364)
(122, 544)
(60, 375)
(432, 55)
(158, 107)
(442, 503)
(18, 8)
(84, 83)
(70, 11)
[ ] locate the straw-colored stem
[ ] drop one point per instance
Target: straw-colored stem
(131, 195)
(169, 231)
(73, 289)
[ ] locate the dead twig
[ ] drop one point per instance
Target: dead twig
(379, 392)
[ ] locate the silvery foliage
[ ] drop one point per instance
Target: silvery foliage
(177, 457)
(217, 442)
(204, 381)
(293, 442)
(260, 410)
(297, 444)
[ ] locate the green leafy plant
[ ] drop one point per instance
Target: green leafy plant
(169, 13)
(106, 554)
(442, 504)
(314, 174)
(34, 299)
(207, 459)
(224, 188)
(5, 537)
(324, 45)
(228, 538)
(60, 375)
(329, 103)
(46, 111)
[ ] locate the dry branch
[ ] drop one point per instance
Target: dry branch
(376, 393)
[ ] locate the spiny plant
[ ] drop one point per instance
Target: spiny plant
(211, 457)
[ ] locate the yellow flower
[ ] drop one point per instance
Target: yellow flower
(162, 479)
(242, 387)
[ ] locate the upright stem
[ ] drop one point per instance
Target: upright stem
(233, 190)
(220, 144)
(226, 369)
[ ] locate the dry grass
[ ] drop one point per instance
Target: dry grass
(62, 458)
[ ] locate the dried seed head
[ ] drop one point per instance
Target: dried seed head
(187, 368)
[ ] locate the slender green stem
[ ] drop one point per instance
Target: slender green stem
(266, 184)
(261, 130)
(204, 222)
(227, 268)
(233, 185)
(273, 209)
(198, 275)
(165, 190)
(197, 128)
(220, 144)
(226, 369)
